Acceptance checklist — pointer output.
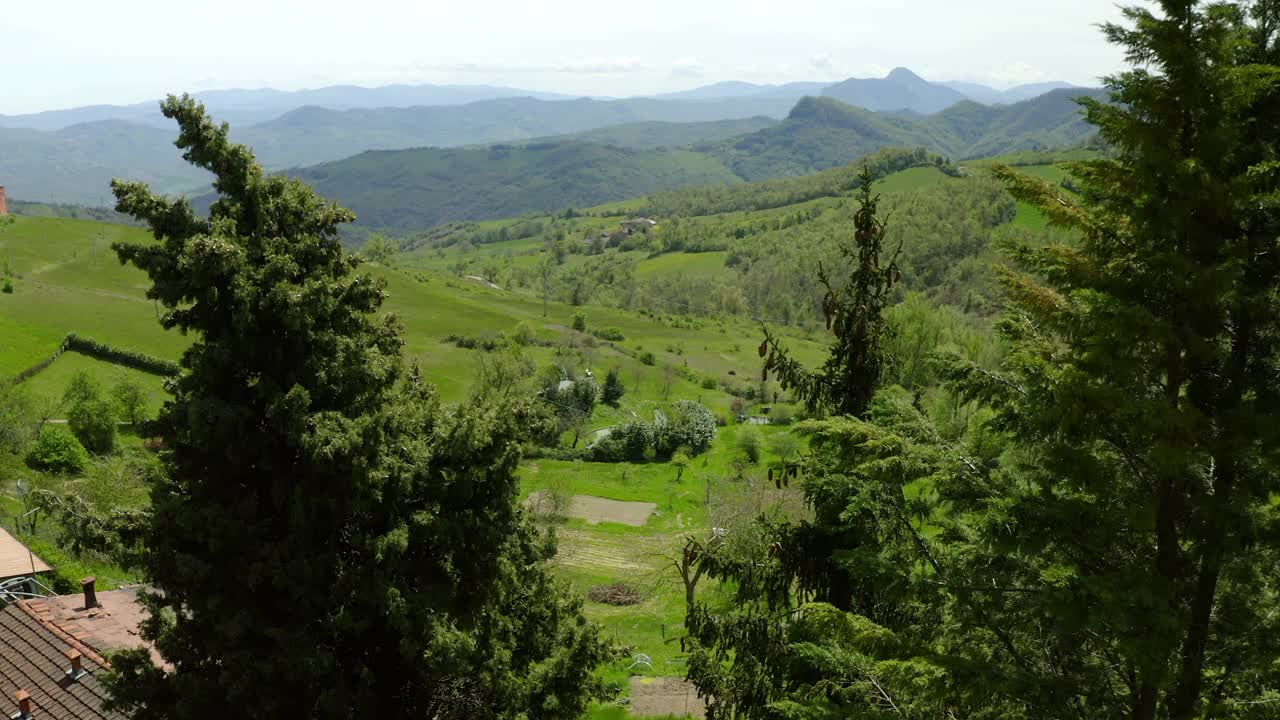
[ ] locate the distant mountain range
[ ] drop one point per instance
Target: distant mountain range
(414, 189)
(901, 89)
(74, 163)
(249, 107)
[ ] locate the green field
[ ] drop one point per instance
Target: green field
(67, 280)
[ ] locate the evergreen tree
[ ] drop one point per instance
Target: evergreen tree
(613, 388)
(328, 539)
(1104, 543)
(854, 312)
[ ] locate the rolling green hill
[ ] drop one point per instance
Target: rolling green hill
(821, 133)
(416, 189)
(652, 135)
(428, 186)
(76, 165)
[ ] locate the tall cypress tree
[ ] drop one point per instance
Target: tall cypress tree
(328, 540)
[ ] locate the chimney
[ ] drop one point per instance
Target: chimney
(90, 596)
(4, 207)
(24, 705)
(76, 671)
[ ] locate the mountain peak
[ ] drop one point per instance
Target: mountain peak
(902, 74)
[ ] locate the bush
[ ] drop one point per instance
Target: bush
(93, 422)
(7, 288)
(780, 415)
(57, 450)
(749, 444)
(523, 334)
(611, 334)
(688, 425)
(709, 383)
(119, 356)
(648, 358)
(628, 442)
(580, 321)
(131, 398)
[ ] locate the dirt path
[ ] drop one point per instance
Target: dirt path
(665, 696)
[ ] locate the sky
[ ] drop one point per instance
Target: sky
(79, 52)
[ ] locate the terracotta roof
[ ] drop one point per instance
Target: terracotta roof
(15, 559)
(32, 658)
(112, 626)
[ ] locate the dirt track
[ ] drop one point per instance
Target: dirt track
(665, 696)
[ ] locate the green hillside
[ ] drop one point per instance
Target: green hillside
(428, 186)
(650, 135)
(76, 165)
(415, 189)
(674, 311)
(822, 132)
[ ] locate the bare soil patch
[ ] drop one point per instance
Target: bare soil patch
(665, 696)
(596, 509)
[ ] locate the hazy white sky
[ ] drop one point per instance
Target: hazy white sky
(63, 53)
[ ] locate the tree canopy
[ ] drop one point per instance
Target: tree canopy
(1102, 540)
(327, 538)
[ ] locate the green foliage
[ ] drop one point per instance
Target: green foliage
(7, 286)
(130, 398)
(687, 424)
(750, 444)
(424, 187)
(1100, 541)
(56, 449)
(90, 416)
(613, 388)
(647, 357)
(580, 321)
(359, 513)
(380, 249)
(854, 309)
(119, 356)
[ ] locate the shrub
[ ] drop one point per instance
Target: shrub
(625, 443)
(749, 444)
(648, 358)
(780, 415)
(709, 383)
(93, 422)
(611, 334)
(688, 425)
(580, 321)
(7, 288)
(523, 334)
(130, 397)
(57, 450)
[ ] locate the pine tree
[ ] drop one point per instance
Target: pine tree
(328, 540)
(854, 311)
(1106, 542)
(613, 388)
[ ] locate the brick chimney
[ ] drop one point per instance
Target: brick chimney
(90, 596)
(24, 705)
(76, 671)
(4, 207)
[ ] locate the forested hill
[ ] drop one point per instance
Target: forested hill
(822, 132)
(416, 189)
(429, 186)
